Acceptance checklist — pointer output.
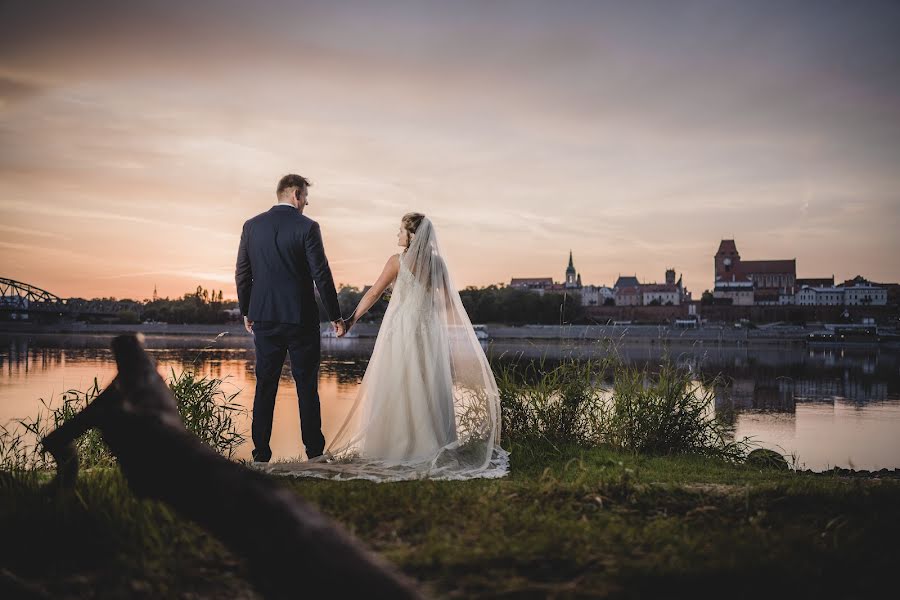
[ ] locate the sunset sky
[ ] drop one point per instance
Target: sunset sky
(136, 137)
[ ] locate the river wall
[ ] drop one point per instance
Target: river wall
(618, 333)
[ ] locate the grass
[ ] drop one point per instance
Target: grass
(568, 522)
(622, 485)
(207, 409)
(665, 410)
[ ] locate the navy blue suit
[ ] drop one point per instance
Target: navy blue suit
(280, 258)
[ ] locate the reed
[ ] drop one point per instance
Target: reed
(666, 410)
(208, 411)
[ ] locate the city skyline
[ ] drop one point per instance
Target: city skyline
(136, 139)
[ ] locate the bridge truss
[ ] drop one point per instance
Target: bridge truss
(19, 297)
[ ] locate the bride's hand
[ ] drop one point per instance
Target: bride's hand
(348, 323)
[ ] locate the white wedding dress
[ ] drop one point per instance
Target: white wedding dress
(428, 405)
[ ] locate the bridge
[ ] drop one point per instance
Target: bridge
(22, 300)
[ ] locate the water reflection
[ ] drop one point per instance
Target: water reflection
(829, 406)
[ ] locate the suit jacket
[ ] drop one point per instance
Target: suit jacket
(280, 256)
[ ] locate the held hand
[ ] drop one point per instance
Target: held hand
(339, 328)
(348, 324)
(248, 325)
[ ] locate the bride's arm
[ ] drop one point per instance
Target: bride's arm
(391, 267)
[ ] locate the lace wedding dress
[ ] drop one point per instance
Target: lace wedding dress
(428, 405)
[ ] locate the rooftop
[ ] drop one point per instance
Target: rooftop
(769, 266)
(627, 281)
(727, 247)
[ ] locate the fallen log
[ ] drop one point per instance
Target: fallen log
(291, 550)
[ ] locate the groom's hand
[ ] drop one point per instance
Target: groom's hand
(339, 328)
(248, 324)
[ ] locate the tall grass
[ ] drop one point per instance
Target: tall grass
(562, 404)
(208, 411)
(669, 411)
(594, 402)
(19, 440)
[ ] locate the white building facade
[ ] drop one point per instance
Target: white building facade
(865, 295)
(857, 295)
(595, 295)
(740, 292)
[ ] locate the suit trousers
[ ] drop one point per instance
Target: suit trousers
(304, 345)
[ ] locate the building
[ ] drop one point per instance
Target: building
(535, 284)
(861, 293)
(815, 282)
(627, 291)
(764, 274)
(664, 294)
(573, 279)
(820, 296)
(629, 296)
(571, 283)
(596, 295)
(892, 290)
(770, 281)
(739, 292)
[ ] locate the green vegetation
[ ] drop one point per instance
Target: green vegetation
(501, 304)
(200, 306)
(568, 522)
(491, 304)
(605, 402)
(609, 495)
(19, 450)
(208, 411)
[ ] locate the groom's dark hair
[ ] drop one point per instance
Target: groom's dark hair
(292, 180)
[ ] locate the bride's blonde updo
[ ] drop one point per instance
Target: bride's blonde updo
(411, 222)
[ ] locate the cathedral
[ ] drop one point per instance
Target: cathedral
(746, 281)
(572, 281)
(591, 295)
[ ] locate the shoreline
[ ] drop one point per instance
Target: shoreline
(649, 334)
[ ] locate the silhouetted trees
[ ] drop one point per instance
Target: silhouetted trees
(491, 304)
(201, 306)
(501, 304)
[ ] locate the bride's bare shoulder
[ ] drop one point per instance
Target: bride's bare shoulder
(392, 265)
(393, 262)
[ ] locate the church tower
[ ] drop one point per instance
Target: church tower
(571, 274)
(727, 261)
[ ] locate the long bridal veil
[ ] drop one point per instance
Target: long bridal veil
(428, 405)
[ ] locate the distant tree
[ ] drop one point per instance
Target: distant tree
(500, 304)
(706, 297)
(201, 306)
(609, 302)
(128, 317)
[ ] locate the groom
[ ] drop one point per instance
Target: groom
(279, 258)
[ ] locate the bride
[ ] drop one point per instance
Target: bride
(428, 405)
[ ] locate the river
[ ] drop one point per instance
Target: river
(827, 407)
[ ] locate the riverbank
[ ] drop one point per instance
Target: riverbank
(567, 522)
(709, 334)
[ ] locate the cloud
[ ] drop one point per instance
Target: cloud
(632, 133)
(14, 90)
